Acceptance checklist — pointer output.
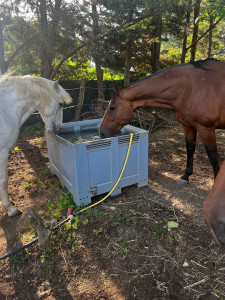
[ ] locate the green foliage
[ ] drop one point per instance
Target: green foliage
(72, 224)
(134, 221)
(158, 230)
(172, 224)
(63, 202)
(19, 259)
(97, 213)
(116, 217)
(97, 231)
(77, 245)
(124, 244)
(89, 211)
(47, 254)
(85, 222)
(165, 26)
(36, 130)
(73, 71)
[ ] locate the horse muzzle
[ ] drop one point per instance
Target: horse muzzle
(106, 133)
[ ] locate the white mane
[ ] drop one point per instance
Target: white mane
(36, 87)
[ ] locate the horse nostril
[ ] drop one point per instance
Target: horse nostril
(102, 135)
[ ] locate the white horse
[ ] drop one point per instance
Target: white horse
(20, 96)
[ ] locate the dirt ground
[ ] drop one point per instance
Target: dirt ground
(122, 249)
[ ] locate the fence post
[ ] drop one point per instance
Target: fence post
(80, 100)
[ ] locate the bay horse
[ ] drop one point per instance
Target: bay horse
(195, 91)
(214, 206)
(20, 96)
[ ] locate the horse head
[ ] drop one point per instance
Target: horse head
(52, 109)
(118, 113)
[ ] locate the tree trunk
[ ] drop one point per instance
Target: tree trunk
(3, 64)
(155, 46)
(210, 36)
(155, 50)
(128, 54)
(44, 33)
(195, 29)
(99, 72)
(80, 100)
(48, 36)
(185, 35)
(97, 58)
(128, 62)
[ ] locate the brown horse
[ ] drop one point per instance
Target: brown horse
(195, 91)
(214, 206)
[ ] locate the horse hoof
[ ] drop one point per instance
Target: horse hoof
(14, 211)
(182, 181)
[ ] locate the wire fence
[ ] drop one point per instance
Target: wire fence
(148, 119)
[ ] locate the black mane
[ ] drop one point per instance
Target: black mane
(201, 63)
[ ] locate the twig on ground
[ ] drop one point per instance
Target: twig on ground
(194, 284)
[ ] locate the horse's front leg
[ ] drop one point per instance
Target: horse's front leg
(190, 138)
(208, 138)
(6, 203)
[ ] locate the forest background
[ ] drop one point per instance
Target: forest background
(106, 40)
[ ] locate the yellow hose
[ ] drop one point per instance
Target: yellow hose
(121, 174)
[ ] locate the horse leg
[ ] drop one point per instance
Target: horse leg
(190, 138)
(208, 138)
(6, 203)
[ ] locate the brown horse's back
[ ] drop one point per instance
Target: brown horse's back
(214, 206)
(202, 100)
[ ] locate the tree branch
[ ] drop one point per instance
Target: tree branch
(96, 38)
(210, 28)
(16, 52)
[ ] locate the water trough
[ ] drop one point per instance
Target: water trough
(88, 166)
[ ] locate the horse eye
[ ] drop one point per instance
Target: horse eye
(112, 108)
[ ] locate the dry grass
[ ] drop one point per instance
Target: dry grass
(122, 249)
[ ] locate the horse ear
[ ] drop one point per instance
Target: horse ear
(56, 85)
(116, 88)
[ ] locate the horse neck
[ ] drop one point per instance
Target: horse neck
(161, 91)
(26, 107)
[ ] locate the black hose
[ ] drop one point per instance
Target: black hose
(18, 249)
(70, 217)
